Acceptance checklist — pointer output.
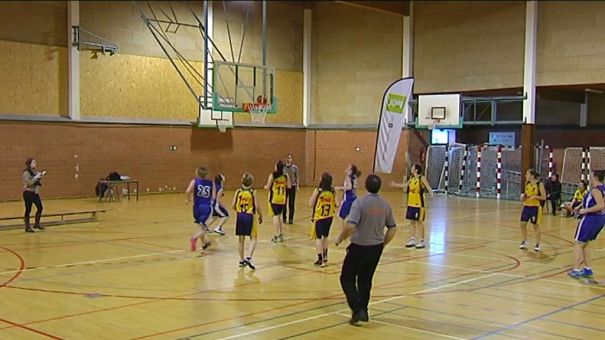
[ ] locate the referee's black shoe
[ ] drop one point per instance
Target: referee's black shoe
(363, 315)
(355, 319)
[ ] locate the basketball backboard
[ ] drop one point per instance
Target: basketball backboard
(209, 118)
(439, 111)
(236, 85)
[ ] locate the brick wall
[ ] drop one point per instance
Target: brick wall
(142, 152)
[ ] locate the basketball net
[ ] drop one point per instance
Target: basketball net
(258, 111)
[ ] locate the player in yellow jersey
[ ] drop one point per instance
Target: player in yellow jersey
(417, 187)
(246, 206)
(576, 202)
(324, 204)
(533, 194)
(277, 183)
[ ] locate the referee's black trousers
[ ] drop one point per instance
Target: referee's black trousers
(357, 273)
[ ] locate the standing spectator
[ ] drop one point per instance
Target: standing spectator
(31, 194)
(365, 225)
(554, 193)
(292, 171)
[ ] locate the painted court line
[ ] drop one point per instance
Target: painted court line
(93, 262)
(574, 284)
(285, 324)
(412, 329)
(539, 317)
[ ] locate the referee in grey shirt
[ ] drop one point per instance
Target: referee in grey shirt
(366, 226)
(292, 170)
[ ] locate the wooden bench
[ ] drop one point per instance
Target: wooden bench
(62, 215)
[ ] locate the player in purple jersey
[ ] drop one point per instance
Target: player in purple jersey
(204, 194)
(593, 210)
(350, 192)
(219, 212)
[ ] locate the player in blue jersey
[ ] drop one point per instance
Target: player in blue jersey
(350, 192)
(219, 212)
(593, 210)
(204, 194)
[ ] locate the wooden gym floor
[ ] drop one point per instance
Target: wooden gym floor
(131, 276)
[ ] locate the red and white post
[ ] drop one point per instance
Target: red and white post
(499, 173)
(551, 161)
(478, 188)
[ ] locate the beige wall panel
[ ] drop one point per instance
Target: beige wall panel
(356, 54)
(39, 22)
(120, 22)
(571, 42)
(134, 87)
(284, 33)
(34, 79)
(468, 45)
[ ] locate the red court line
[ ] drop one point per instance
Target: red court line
(259, 312)
(14, 277)
(31, 329)
(19, 271)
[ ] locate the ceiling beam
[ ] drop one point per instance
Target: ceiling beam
(391, 7)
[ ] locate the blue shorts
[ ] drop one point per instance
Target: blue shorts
(415, 214)
(244, 225)
(589, 228)
(201, 213)
(532, 215)
(345, 209)
(322, 227)
(220, 211)
(277, 209)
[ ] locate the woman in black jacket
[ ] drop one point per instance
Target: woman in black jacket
(554, 193)
(31, 194)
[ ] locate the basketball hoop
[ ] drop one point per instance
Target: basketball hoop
(258, 111)
(222, 128)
